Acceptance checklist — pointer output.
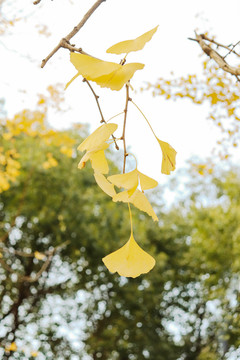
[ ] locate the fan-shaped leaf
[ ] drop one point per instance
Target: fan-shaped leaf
(132, 45)
(104, 73)
(169, 157)
(104, 184)
(139, 200)
(130, 260)
(99, 136)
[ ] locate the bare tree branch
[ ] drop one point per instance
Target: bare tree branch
(64, 42)
(214, 55)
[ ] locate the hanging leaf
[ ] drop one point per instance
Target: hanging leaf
(97, 158)
(127, 181)
(132, 45)
(104, 73)
(130, 260)
(118, 78)
(169, 157)
(131, 180)
(99, 136)
(104, 184)
(139, 200)
(146, 182)
(99, 162)
(90, 67)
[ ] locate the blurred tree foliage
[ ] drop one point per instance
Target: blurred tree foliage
(58, 300)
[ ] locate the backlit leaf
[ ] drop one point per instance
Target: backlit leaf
(126, 181)
(104, 184)
(132, 45)
(130, 260)
(116, 79)
(131, 180)
(139, 200)
(146, 182)
(169, 157)
(99, 162)
(90, 67)
(99, 136)
(97, 158)
(104, 73)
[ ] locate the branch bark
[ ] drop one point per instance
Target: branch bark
(214, 55)
(64, 42)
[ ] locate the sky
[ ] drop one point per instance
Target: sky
(180, 123)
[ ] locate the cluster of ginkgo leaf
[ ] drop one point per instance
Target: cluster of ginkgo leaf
(31, 124)
(130, 260)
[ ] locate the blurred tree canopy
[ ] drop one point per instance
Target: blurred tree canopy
(58, 300)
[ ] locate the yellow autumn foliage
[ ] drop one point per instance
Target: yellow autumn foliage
(104, 73)
(130, 260)
(128, 46)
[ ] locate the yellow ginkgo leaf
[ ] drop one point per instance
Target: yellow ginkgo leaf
(132, 45)
(11, 347)
(104, 184)
(39, 255)
(91, 67)
(116, 79)
(97, 158)
(146, 182)
(104, 73)
(99, 162)
(131, 180)
(127, 180)
(169, 157)
(99, 136)
(139, 200)
(130, 260)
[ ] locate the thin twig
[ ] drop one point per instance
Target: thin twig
(124, 128)
(213, 54)
(100, 110)
(32, 254)
(64, 42)
(44, 267)
(49, 253)
(96, 98)
(221, 45)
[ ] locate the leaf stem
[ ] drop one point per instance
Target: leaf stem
(124, 128)
(130, 214)
(114, 116)
(144, 118)
(100, 110)
(134, 157)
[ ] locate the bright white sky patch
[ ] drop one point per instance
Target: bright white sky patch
(181, 123)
